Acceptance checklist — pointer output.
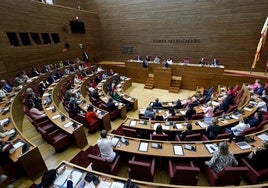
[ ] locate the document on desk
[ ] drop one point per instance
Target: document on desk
(179, 126)
(90, 185)
(164, 127)
(68, 124)
(243, 145)
(132, 123)
(46, 94)
(116, 184)
(50, 108)
(56, 116)
(76, 177)
(143, 146)
(211, 147)
(202, 124)
(18, 144)
(263, 136)
(183, 112)
(247, 109)
(104, 184)
(62, 178)
(177, 150)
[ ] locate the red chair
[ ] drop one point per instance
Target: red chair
(190, 137)
(253, 175)
(186, 60)
(141, 169)
(197, 116)
(228, 176)
(218, 113)
(59, 140)
(183, 173)
(224, 135)
(163, 137)
(101, 165)
(231, 108)
(129, 132)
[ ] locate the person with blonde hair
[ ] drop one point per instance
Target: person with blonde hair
(222, 158)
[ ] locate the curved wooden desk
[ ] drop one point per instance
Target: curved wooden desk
(102, 91)
(16, 115)
(167, 150)
(102, 114)
(116, 181)
(55, 116)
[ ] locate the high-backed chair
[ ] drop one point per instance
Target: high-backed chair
(224, 135)
(190, 137)
(102, 165)
(141, 169)
(228, 176)
(231, 108)
(113, 114)
(253, 175)
(129, 132)
(163, 137)
(197, 116)
(186, 60)
(183, 173)
(218, 113)
(59, 140)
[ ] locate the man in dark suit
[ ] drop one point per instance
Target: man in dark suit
(85, 56)
(51, 79)
(157, 104)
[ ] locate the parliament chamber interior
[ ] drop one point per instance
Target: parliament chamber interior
(180, 87)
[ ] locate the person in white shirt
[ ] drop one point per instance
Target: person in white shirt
(169, 61)
(157, 59)
(261, 104)
(240, 127)
(106, 145)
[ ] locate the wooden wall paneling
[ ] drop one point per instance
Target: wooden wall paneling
(43, 18)
(229, 30)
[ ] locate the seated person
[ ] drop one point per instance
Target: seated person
(256, 120)
(262, 105)
(110, 105)
(74, 109)
(115, 96)
(6, 87)
(169, 60)
(43, 85)
(214, 62)
(32, 97)
(35, 112)
(51, 78)
(259, 89)
(222, 158)
(159, 130)
(76, 79)
(202, 61)
(148, 58)
(111, 72)
(208, 110)
(258, 157)
(74, 99)
(191, 111)
(255, 85)
(149, 113)
(240, 127)
(91, 116)
(178, 105)
(68, 93)
(144, 64)
(157, 59)
(138, 58)
(2, 93)
(106, 145)
(50, 176)
(18, 80)
(58, 74)
(169, 113)
(166, 64)
(35, 72)
(226, 103)
(46, 69)
(99, 69)
(3, 133)
(186, 132)
(157, 104)
(213, 130)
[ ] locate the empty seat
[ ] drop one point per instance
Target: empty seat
(183, 173)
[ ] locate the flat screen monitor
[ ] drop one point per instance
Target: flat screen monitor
(77, 27)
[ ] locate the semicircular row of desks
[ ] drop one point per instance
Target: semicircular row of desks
(203, 149)
(78, 133)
